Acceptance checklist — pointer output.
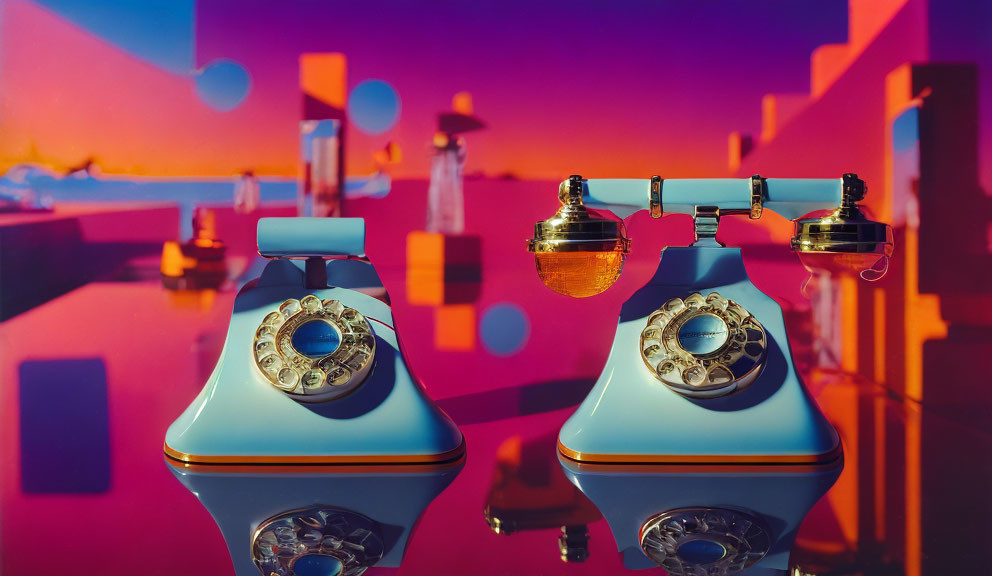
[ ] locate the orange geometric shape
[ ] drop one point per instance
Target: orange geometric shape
(865, 20)
(849, 322)
(879, 308)
(425, 287)
(898, 91)
(424, 250)
(827, 64)
(738, 146)
(922, 317)
(841, 401)
(777, 110)
(454, 327)
(324, 77)
(442, 269)
(425, 268)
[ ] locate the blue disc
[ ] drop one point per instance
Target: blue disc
(701, 552)
(703, 334)
(316, 339)
(373, 107)
(504, 329)
(223, 84)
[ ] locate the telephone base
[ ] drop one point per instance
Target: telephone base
(630, 416)
(241, 418)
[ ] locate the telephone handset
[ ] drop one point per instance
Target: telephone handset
(581, 254)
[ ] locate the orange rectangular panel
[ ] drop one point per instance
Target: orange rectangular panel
(454, 327)
(424, 250)
(424, 269)
(424, 287)
(827, 64)
(324, 76)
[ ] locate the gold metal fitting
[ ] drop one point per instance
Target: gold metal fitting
(845, 240)
(496, 523)
(578, 253)
(655, 201)
(757, 196)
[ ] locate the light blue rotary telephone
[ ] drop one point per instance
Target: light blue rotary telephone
(312, 373)
(700, 369)
(315, 521)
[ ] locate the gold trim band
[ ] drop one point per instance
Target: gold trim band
(303, 460)
(316, 468)
(735, 459)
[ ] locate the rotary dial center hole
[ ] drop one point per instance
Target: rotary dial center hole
(316, 339)
(703, 334)
(701, 552)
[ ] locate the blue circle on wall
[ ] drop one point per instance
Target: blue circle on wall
(223, 84)
(373, 107)
(504, 329)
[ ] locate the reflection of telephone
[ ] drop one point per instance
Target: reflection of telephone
(704, 520)
(311, 373)
(700, 369)
(327, 520)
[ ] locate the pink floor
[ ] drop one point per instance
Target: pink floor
(158, 348)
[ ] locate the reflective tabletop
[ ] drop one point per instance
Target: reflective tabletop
(92, 378)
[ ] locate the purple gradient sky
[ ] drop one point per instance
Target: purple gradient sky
(637, 87)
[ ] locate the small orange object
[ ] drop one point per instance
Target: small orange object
(579, 274)
(454, 327)
(173, 260)
(462, 103)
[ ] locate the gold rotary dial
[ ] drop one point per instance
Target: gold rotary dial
(705, 541)
(703, 347)
(314, 350)
(318, 539)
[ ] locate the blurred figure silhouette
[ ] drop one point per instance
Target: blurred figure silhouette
(246, 193)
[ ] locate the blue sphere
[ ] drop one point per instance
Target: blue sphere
(373, 107)
(504, 329)
(223, 84)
